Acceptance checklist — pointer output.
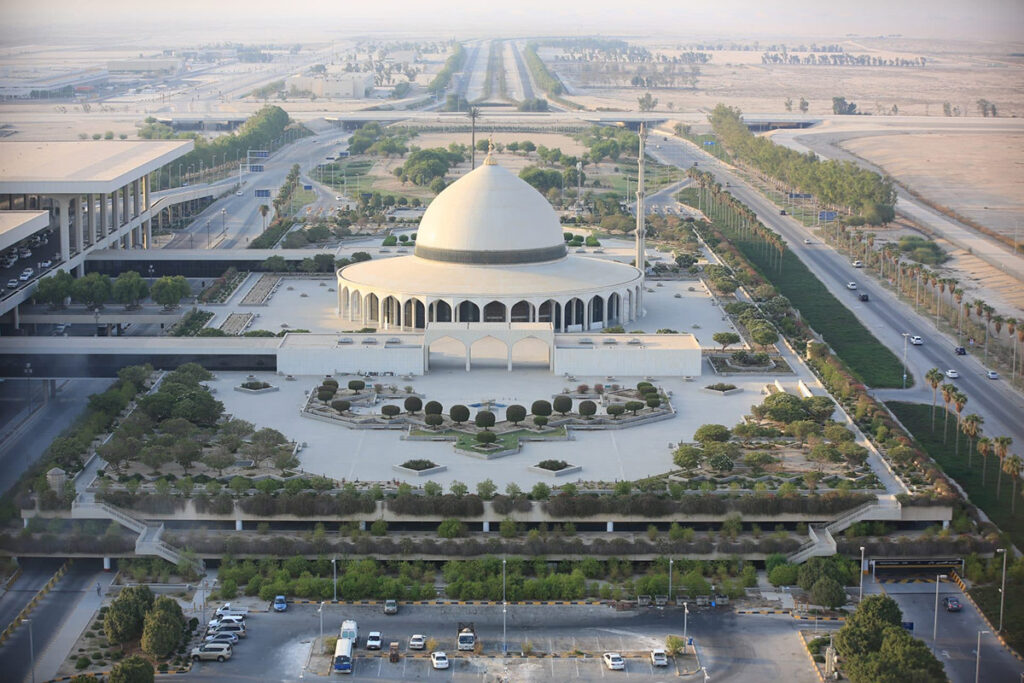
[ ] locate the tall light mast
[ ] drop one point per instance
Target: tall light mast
(640, 218)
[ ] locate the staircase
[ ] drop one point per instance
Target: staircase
(85, 506)
(821, 545)
(821, 541)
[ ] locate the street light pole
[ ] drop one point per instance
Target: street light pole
(977, 657)
(860, 595)
(31, 649)
(670, 580)
(504, 612)
(334, 565)
(935, 625)
(686, 613)
(906, 336)
(1002, 591)
(321, 611)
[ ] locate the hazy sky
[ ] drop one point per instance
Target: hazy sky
(262, 20)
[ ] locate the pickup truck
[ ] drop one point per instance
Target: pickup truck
(227, 610)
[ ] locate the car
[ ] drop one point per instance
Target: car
(237, 629)
(26, 274)
(992, 374)
(807, 241)
(614, 661)
(373, 640)
(659, 658)
(337, 198)
(951, 603)
(217, 622)
(916, 340)
(858, 264)
(864, 297)
(24, 252)
(60, 328)
(439, 660)
(390, 607)
(239, 193)
(417, 642)
(13, 283)
(218, 651)
(851, 285)
(782, 212)
(952, 374)
(280, 603)
(959, 350)
(222, 638)
(45, 263)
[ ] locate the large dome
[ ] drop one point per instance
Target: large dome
(490, 216)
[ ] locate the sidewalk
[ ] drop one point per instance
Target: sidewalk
(80, 616)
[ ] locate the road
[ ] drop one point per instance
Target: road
(956, 646)
(886, 316)
(50, 612)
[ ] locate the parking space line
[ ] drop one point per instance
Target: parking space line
(577, 663)
(380, 666)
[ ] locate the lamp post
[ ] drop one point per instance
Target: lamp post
(32, 649)
(207, 234)
(28, 386)
(504, 612)
(906, 336)
(686, 613)
(334, 565)
(223, 220)
(860, 594)
(935, 625)
(1002, 591)
(670, 580)
(321, 612)
(977, 657)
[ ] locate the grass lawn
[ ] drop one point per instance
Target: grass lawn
(987, 598)
(917, 418)
(867, 358)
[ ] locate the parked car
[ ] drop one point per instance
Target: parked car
(390, 607)
(951, 603)
(24, 252)
(237, 629)
(45, 263)
(952, 374)
(851, 285)
(12, 283)
(783, 213)
(417, 642)
(959, 350)
(659, 658)
(222, 638)
(858, 264)
(280, 603)
(614, 661)
(226, 619)
(807, 241)
(439, 660)
(992, 374)
(218, 651)
(916, 341)
(26, 274)
(864, 297)
(239, 193)
(373, 640)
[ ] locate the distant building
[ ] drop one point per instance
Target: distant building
(155, 65)
(62, 84)
(348, 86)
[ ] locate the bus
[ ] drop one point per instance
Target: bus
(343, 656)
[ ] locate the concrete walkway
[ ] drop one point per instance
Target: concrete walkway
(79, 617)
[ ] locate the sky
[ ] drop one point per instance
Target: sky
(263, 20)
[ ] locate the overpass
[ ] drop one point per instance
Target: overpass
(189, 262)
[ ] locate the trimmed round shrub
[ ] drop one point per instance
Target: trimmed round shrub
(324, 394)
(356, 384)
(540, 420)
(413, 404)
(486, 437)
(433, 420)
(615, 409)
(459, 413)
(433, 408)
(588, 409)
(389, 411)
(515, 413)
(419, 464)
(653, 401)
(541, 408)
(552, 465)
(340, 405)
(562, 404)
(330, 382)
(484, 419)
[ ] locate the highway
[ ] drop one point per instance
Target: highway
(886, 316)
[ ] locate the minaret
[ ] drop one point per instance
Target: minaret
(640, 222)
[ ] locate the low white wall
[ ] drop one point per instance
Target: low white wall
(628, 361)
(401, 360)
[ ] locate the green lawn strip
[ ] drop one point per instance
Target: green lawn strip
(917, 418)
(987, 598)
(868, 359)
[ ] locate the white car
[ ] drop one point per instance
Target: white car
(916, 341)
(222, 638)
(25, 252)
(338, 199)
(46, 263)
(851, 285)
(992, 374)
(659, 658)
(952, 374)
(417, 642)
(239, 193)
(805, 242)
(858, 264)
(13, 283)
(614, 661)
(26, 275)
(439, 660)
(373, 640)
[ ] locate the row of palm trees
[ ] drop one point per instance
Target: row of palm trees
(971, 426)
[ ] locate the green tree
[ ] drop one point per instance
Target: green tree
(827, 592)
(541, 408)
(124, 618)
(134, 669)
(634, 406)
(451, 528)
(484, 419)
(688, 457)
(163, 628)
(515, 413)
(129, 288)
(587, 409)
(413, 404)
(707, 433)
(647, 102)
(433, 408)
(459, 413)
(540, 491)
(562, 404)
(783, 575)
(726, 338)
(168, 291)
(615, 409)
(93, 290)
(486, 489)
(54, 289)
(508, 528)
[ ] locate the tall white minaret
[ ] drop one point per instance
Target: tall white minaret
(640, 218)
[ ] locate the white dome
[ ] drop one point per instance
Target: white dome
(490, 216)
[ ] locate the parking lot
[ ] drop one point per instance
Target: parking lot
(566, 644)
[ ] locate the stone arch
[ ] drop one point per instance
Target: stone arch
(550, 311)
(355, 305)
(344, 303)
(391, 312)
(521, 312)
(468, 312)
(614, 308)
(441, 311)
(494, 312)
(530, 352)
(414, 314)
(595, 315)
(371, 305)
(446, 352)
(488, 351)
(575, 314)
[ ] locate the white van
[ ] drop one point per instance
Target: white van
(350, 630)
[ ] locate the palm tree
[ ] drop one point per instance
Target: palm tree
(934, 378)
(984, 448)
(959, 401)
(971, 427)
(1000, 445)
(1012, 466)
(264, 210)
(948, 392)
(473, 114)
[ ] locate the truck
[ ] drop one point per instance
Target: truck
(227, 610)
(466, 635)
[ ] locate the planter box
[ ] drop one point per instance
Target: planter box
(730, 392)
(419, 473)
(488, 455)
(265, 390)
(571, 469)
